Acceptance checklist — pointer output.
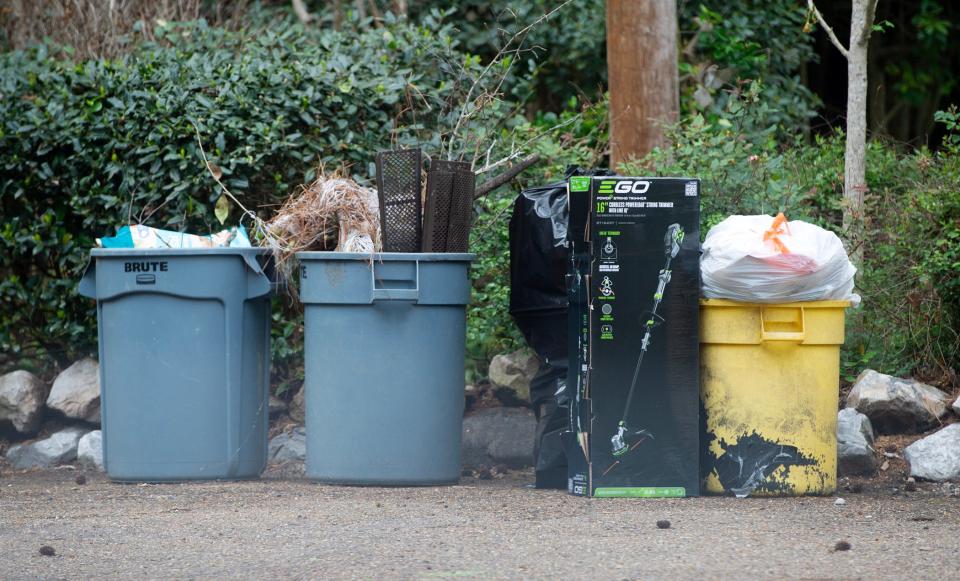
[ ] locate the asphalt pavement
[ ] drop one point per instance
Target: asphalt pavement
(284, 526)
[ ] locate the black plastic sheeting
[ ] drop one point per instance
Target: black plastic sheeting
(539, 258)
(553, 418)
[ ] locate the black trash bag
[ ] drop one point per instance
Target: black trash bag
(539, 257)
(538, 260)
(552, 409)
(549, 452)
(539, 253)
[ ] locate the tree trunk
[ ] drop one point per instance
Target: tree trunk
(855, 162)
(642, 70)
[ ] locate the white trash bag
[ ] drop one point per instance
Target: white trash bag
(769, 260)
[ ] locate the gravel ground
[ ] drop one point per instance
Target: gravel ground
(284, 526)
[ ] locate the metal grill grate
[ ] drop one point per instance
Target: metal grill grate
(398, 187)
(450, 187)
(437, 214)
(461, 211)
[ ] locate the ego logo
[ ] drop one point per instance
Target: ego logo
(160, 266)
(624, 186)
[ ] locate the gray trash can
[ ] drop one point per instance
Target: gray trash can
(184, 361)
(384, 353)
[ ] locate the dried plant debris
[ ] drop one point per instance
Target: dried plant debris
(332, 213)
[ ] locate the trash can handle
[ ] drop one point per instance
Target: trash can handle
(258, 283)
(396, 293)
(766, 334)
(88, 284)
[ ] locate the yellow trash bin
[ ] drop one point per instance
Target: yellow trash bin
(769, 383)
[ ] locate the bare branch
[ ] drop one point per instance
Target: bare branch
(494, 183)
(301, 11)
(506, 49)
(517, 150)
(826, 28)
(514, 154)
(210, 168)
(375, 11)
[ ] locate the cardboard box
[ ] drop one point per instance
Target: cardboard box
(634, 286)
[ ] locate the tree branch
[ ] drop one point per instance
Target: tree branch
(301, 11)
(494, 183)
(505, 50)
(215, 173)
(826, 28)
(871, 14)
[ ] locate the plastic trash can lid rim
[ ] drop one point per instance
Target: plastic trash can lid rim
(110, 252)
(388, 256)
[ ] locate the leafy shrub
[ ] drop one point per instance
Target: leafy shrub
(910, 315)
(88, 146)
(911, 324)
(563, 56)
(748, 172)
(490, 329)
(728, 43)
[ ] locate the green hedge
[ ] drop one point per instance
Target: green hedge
(86, 147)
(909, 320)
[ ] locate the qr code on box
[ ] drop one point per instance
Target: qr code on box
(690, 189)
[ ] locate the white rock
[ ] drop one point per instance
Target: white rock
(90, 451)
(896, 405)
(514, 371)
(288, 446)
(59, 448)
(76, 391)
(839, 502)
(936, 457)
(956, 406)
(855, 454)
(21, 400)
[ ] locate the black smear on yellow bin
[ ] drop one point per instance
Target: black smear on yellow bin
(746, 465)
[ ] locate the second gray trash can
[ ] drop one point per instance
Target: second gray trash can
(384, 353)
(184, 361)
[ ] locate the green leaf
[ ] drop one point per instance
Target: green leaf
(222, 209)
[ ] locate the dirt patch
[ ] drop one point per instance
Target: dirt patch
(893, 472)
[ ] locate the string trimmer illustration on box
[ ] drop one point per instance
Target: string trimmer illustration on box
(627, 439)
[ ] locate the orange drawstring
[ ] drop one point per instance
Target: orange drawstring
(779, 227)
